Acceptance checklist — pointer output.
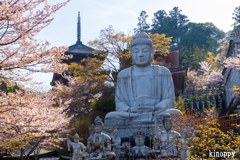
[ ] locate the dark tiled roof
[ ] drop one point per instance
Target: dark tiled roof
(174, 47)
(178, 69)
(79, 48)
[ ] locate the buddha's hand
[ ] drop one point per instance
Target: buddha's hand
(147, 108)
(134, 109)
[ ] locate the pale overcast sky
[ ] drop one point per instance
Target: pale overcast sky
(122, 15)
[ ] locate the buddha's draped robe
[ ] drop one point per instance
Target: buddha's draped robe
(152, 87)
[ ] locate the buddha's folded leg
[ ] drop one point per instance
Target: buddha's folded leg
(120, 116)
(170, 111)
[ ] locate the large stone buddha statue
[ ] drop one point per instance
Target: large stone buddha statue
(144, 89)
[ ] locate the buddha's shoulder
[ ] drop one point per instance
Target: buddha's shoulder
(161, 70)
(124, 73)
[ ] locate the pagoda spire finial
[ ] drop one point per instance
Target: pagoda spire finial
(79, 29)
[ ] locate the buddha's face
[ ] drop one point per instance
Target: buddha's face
(142, 54)
(167, 124)
(98, 128)
(139, 140)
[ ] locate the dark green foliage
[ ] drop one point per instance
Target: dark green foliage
(104, 104)
(194, 39)
(185, 34)
(192, 56)
(216, 35)
(197, 35)
(143, 26)
(172, 25)
(236, 25)
(160, 22)
(81, 127)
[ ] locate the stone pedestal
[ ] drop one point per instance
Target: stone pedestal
(126, 130)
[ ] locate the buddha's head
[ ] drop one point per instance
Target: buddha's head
(98, 125)
(76, 140)
(167, 122)
(142, 50)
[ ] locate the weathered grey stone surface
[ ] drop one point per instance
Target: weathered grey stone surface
(116, 144)
(139, 151)
(168, 139)
(143, 90)
(99, 143)
(126, 129)
(77, 147)
(231, 76)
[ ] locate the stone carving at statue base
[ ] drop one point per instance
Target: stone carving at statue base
(116, 144)
(77, 146)
(166, 142)
(99, 144)
(139, 151)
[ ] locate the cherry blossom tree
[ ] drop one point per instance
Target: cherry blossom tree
(203, 78)
(26, 117)
(234, 63)
(213, 76)
(81, 93)
(20, 21)
(29, 119)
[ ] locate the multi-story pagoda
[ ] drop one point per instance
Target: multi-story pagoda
(78, 50)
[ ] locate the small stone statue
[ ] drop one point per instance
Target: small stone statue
(116, 140)
(77, 146)
(139, 151)
(99, 144)
(168, 139)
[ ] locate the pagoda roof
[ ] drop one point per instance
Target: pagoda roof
(79, 48)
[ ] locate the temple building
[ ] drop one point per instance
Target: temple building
(78, 50)
(172, 61)
(231, 79)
